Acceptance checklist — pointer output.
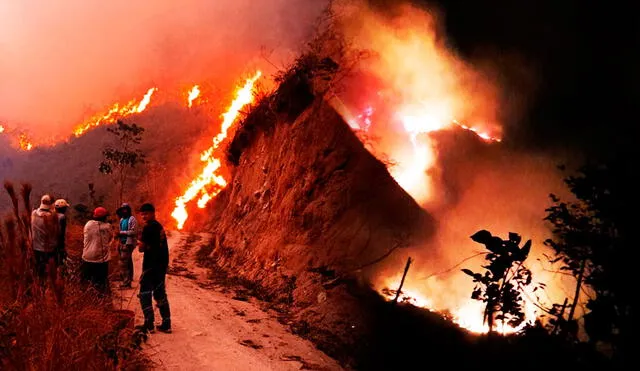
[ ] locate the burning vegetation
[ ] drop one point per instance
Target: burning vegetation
(321, 191)
(209, 183)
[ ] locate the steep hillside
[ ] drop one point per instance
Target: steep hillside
(307, 211)
(173, 135)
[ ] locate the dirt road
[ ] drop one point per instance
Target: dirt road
(213, 331)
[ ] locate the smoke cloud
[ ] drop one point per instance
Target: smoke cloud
(61, 61)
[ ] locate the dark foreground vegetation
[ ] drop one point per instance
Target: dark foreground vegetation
(59, 324)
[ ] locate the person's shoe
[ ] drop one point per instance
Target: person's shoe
(164, 327)
(146, 328)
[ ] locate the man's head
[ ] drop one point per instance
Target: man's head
(46, 202)
(100, 213)
(124, 211)
(147, 212)
(61, 205)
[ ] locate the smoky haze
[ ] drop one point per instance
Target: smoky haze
(62, 61)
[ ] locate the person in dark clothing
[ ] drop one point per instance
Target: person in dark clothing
(153, 244)
(61, 207)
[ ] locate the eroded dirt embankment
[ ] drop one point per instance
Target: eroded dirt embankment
(308, 211)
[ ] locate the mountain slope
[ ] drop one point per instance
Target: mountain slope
(172, 138)
(307, 211)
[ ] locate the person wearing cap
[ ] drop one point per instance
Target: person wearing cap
(153, 244)
(44, 235)
(98, 238)
(127, 236)
(61, 207)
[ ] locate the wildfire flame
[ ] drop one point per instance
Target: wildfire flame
(117, 111)
(193, 94)
(412, 174)
(419, 87)
(25, 142)
(209, 183)
(467, 315)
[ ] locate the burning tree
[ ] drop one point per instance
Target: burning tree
(505, 277)
(119, 161)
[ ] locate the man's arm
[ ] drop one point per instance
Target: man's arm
(85, 233)
(143, 242)
(133, 227)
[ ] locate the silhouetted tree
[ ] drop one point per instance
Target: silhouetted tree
(505, 277)
(592, 240)
(119, 161)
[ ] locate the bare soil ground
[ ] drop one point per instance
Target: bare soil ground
(213, 327)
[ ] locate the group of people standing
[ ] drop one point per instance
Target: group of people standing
(99, 238)
(48, 228)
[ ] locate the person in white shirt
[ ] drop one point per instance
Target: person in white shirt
(98, 238)
(44, 235)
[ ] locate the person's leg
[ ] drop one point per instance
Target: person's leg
(146, 293)
(40, 264)
(160, 296)
(52, 267)
(85, 271)
(124, 256)
(130, 264)
(91, 274)
(102, 277)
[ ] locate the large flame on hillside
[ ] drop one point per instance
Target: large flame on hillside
(24, 142)
(421, 87)
(20, 139)
(116, 112)
(209, 182)
(425, 88)
(194, 93)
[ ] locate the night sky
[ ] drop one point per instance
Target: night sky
(581, 62)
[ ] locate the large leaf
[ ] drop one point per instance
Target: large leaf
(476, 276)
(468, 272)
(483, 237)
(524, 252)
(495, 245)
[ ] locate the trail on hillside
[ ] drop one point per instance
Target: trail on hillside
(211, 329)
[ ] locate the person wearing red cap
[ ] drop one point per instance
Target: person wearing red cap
(98, 238)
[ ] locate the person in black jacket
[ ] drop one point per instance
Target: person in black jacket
(153, 244)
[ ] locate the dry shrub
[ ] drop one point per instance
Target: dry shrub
(59, 324)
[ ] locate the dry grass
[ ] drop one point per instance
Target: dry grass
(59, 324)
